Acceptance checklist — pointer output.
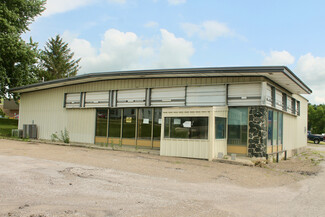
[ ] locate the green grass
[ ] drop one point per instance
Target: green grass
(6, 125)
(311, 142)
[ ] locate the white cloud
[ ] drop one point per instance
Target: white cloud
(176, 2)
(117, 1)
(312, 71)
(151, 24)
(125, 51)
(61, 6)
(279, 58)
(313, 68)
(174, 52)
(208, 30)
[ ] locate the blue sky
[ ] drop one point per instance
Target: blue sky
(112, 35)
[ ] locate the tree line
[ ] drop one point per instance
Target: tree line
(23, 63)
(316, 118)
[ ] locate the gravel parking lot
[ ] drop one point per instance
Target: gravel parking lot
(48, 180)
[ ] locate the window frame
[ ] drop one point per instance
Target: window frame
(224, 119)
(169, 128)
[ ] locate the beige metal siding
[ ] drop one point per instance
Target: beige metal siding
(295, 128)
(45, 109)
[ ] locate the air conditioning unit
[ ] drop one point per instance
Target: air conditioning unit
(17, 133)
(30, 131)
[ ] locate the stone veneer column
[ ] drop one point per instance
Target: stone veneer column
(257, 138)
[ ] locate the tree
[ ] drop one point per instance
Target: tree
(57, 60)
(316, 118)
(17, 58)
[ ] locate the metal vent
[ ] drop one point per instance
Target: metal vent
(30, 131)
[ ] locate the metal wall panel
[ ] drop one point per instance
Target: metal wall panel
(295, 128)
(278, 99)
(97, 99)
(206, 95)
(162, 97)
(45, 109)
(73, 100)
(244, 94)
(131, 98)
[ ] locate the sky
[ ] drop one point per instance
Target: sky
(115, 35)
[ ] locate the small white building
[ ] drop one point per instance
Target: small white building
(195, 113)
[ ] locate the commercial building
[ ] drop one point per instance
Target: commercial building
(195, 113)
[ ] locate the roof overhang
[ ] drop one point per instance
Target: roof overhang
(281, 75)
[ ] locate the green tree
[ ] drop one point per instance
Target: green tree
(17, 58)
(316, 118)
(57, 60)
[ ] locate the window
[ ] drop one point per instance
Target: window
(186, 127)
(156, 123)
(114, 128)
(280, 128)
(270, 128)
(220, 127)
(298, 108)
(293, 106)
(144, 123)
(237, 126)
(129, 121)
(101, 122)
(284, 102)
(275, 128)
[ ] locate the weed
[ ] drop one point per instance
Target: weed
(64, 137)
(54, 137)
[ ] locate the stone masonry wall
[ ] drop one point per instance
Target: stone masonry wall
(257, 140)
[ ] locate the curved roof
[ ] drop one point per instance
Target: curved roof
(281, 75)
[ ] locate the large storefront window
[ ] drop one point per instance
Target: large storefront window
(129, 121)
(144, 123)
(157, 123)
(101, 122)
(280, 128)
(237, 126)
(270, 128)
(114, 128)
(135, 126)
(220, 126)
(186, 127)
(275, 128)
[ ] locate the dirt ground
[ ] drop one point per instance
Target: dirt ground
(48, 180)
